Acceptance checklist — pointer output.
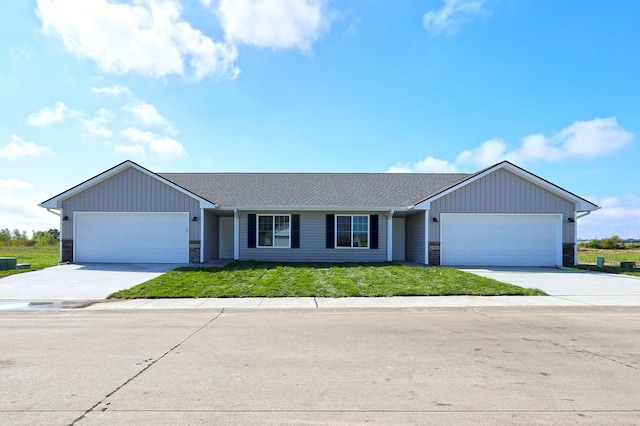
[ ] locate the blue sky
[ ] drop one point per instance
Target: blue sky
(313, 85)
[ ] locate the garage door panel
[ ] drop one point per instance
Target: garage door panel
(500, 240)
(132, 237)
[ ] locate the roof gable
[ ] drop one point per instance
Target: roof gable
(581, 203)
(56, 201)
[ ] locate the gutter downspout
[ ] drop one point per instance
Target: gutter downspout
(201, 235)
(59, 214)
(575, 245)
(587, 213)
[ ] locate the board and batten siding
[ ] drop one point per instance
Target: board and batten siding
(313, 242)
(414, 238)
(210, 237)
(503, 192)
(130, 191)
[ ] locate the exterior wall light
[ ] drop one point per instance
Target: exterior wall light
(434, 220)
(195, 219)
(571, 220)
(65, 218)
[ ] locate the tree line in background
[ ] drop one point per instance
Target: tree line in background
(20, 238)
(611, 243)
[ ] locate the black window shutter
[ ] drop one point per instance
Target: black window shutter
(330, 231)
(251, 230)
(295, 231)
(374, 231)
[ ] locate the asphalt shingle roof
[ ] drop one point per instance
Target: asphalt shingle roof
(315, 189)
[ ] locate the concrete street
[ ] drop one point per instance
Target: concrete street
(508, 365)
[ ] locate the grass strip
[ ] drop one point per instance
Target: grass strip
(275, 279)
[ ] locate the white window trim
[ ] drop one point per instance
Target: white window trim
(335, 232)
(272, 231)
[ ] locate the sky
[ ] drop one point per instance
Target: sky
(321, 86)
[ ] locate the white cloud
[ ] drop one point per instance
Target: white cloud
(582, 139)
(98, 125)
(275, 24)
(47, 115)
(19, 148)
(132, 150)
(147, 37)
(19, 207)
(164, 147)
(111, 91)
(616, 217)
(490, 152)
(147, 114)
(428, 165)
(452, 13)
(594, 138)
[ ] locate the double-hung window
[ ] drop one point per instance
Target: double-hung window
(274, 231)
(352, 231)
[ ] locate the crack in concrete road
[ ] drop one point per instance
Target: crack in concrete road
(567, 347)
(139, 373)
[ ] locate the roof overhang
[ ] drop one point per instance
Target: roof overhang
(56, 202)
(582, 205)
(314, 208)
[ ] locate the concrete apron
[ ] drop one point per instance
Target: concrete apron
(78, 281)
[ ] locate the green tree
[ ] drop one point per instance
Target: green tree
(46, 238)
(5, 236)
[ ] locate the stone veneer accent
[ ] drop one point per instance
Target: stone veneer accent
(194, 251)
(67, 251)
(568, 254)
(434, 254)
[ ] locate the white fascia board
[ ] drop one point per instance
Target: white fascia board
(56, 202)
(581, 204)
(314, 208)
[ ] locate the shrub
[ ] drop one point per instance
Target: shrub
(609, 243)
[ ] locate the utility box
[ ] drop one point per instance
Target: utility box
(600, 261)
(7, 263)
(627, 264)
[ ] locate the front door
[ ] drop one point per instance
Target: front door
(226, 238)
(398, 238)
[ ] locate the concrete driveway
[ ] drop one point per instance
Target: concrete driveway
(571, 284)
(78, 281)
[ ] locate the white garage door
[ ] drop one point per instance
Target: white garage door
(131, 237)
(501, 240)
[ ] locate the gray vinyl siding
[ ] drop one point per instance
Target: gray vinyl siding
(313, 243)
(130, 191)
(414, 238)
(210, 238)
(503, 192)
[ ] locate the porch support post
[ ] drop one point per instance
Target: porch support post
(390, 236)
(236, 235)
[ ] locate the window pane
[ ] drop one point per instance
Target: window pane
(281, 231)
(265, 231)
(361, 231)
(343, 231)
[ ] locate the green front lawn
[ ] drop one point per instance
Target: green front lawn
(273, 279)
(38, 257)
